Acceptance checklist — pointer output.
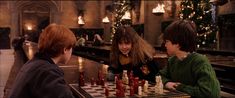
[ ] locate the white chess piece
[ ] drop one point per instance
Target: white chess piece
(140, 90)
(125, 77)
(159, 85)
(146, 86)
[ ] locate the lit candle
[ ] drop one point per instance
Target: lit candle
(127, 15)
(159, 9)
(80, 20)
(105, 20)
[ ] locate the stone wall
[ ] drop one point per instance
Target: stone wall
(66, 13)
(152, 23)
(5, 14)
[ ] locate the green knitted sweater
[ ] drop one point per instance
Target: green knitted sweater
(196, 75)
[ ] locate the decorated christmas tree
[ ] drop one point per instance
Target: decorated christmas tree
(120, 8)
(203, 14)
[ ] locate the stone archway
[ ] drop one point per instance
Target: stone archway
(20, 7)
(33, 19)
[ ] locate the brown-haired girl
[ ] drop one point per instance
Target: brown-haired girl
(130, 52)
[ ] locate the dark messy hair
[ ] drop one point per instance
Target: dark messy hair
(182, 32)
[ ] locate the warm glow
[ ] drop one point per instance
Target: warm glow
(80, 60)
(127, 15)
(105, 20)
(30, 51)
(80, 20)
(29, 27)
(105, 68)
(159, 9)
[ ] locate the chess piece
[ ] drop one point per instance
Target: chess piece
(106, 91)
(102, 82)
(131, 74)
(100, 75)
(145, 87)
(122, 92)
(136, 84)
(120, 89)
(118, 93)
(131, 90)
(131, 77)
(142, 83)
(131, 81)
(92, 81)
(98, 82)
(159, 85)
(115, 78)
(81, 79)
(140, 90)
(125, 77)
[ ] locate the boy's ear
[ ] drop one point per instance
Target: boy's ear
(177, 45)
(65, 50)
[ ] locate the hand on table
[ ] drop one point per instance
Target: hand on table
(172, 85)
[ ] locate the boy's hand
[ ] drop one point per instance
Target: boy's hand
(172, 85)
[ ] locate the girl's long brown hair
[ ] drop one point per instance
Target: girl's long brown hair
(140, 48)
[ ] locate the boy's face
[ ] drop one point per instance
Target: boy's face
(171, 48)
(66, 56)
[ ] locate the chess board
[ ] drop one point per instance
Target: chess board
(97, 91)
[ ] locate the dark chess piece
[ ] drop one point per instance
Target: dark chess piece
(119, 84)
(102, 82)
(116, 78)
(92, 81)
(131, 77)
(142, 83)
(106, 91)
(100, 75)
(98, 82)
(136, 85)
(81, 79)
(120, 89)
(118, 93)
(131, 90)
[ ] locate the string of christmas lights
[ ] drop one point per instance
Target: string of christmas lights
(120, 7)
(200, 11)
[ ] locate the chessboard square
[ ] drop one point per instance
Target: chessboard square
(112, 90)
(91, 91)
(96, 96)
(110, 84)
(87, 86)
(98, 89)
(94, 86)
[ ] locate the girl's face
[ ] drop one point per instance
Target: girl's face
(171, 48)
(124, 47)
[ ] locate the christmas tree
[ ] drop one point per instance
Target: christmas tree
(120, 8)
(202, 13)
